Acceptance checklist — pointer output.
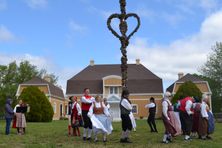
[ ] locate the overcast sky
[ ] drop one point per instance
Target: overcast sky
(62, 36)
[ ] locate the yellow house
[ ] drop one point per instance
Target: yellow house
(53, 93)
(105, 80)
(201, 84)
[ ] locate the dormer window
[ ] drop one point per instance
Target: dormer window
(113, 90)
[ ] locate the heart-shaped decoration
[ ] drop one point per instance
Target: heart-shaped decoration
(119, 16)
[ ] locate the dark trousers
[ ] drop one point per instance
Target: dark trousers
(186, 122)
(151, 122)
(126, 122)
(86, 119)
(8, 125)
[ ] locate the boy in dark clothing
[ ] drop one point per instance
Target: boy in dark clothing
(9, 114)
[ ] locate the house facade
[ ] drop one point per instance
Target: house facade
(52, 92)
(200, 83)
(105, 80)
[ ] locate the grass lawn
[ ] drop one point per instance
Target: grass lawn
(54, 134)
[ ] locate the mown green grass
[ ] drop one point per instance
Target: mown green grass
(54, 134)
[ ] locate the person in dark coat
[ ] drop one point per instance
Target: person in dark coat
(9, 114)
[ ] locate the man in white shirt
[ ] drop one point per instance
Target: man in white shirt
(125, 109)
(152, 111)
(203, 120)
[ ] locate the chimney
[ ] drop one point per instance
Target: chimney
(92, 62)
(137, 61)
(180, 75)
(47, 78)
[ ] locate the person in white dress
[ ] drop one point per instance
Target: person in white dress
(99, 116)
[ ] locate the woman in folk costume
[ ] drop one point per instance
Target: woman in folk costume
(86, 102)
(169, 119)
(76, 117)
(99, 116)
(152, 112)
(204, 118)
(70, 104)
(186, 116)
(20, 118)
(196, 116)
(126, 116)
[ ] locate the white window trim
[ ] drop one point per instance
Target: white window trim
(54, 107)
(137, 109)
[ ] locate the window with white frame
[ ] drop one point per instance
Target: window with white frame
(135, 109)
(113, 90)
(54, 107)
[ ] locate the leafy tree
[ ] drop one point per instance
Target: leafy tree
(40, 107)
(12, 75)
(187, 89)
(215, 89)
(212, 70)
(213, 67)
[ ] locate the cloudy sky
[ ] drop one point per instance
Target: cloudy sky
(62, 36)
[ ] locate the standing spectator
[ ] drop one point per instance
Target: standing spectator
(20, 118)
(9, 113)
(152, 112)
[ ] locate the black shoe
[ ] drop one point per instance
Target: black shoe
(209, 138)
(89, 138)
(122, 140)
(84, 138)
(169, 139)
(128, 140)
(156, 131)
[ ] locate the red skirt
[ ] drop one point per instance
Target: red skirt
(169, 125)
(14, 122)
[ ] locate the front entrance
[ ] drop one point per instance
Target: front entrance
(60, 110)
(115, 111)
(114, 101)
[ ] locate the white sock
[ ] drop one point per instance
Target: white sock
(165, 137)
(89, 133)
(104, 137)
(95, 136)
(84, 132)
(123, 135)
(187, 137)
(127, 133)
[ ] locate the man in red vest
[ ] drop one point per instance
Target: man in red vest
(86, 102)
(186, 118)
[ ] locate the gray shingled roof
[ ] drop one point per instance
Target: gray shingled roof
(54, 90)
(187, 77)
(140, 79)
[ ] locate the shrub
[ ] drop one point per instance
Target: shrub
(187, 89)
(40, 107)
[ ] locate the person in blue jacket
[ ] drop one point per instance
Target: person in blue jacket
(9, 114)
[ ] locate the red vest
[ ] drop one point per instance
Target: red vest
(86, 106)
(183, 104)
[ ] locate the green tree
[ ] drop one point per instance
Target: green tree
(215, 89)
(187, 89)
(212, 70)
(12, 75)
(213, 67)
(40, 107)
